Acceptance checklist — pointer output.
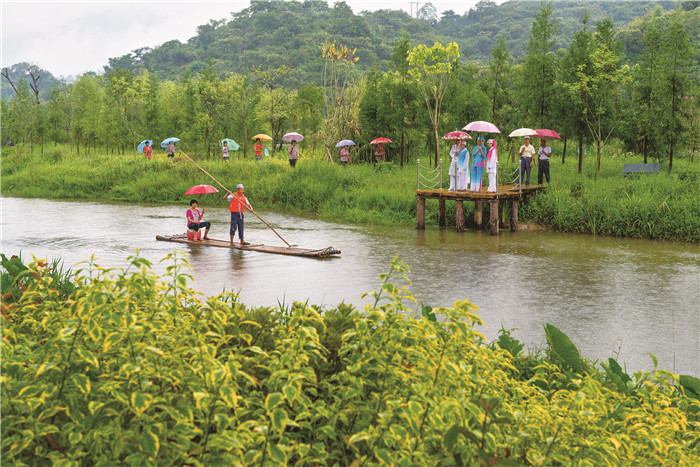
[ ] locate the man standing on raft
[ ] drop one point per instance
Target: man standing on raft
(237, 204)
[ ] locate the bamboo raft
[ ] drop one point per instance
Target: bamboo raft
(279, 250)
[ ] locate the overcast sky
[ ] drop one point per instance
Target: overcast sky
(70, 38)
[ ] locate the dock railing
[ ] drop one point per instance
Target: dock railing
(429, 179)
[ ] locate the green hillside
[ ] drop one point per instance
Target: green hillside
(274, 33)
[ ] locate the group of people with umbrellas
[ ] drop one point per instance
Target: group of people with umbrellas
(464, 175)
(146, 147)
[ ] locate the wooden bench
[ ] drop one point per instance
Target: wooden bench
(640, 169)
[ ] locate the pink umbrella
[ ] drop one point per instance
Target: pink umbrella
(482, 126)
(457, 135)
(293, 136)
(380, 140)
(544, 133)
(201, 190)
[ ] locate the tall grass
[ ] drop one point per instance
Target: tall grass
(658, 206)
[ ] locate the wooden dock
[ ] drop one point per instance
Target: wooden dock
(280, 250)
(505, 193)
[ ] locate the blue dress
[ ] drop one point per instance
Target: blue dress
(477, 172)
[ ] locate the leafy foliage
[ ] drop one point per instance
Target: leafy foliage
(136, 368)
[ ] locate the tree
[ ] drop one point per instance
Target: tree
(598, 90)
(243, 98)
(675, 82)
(428, 13)
(341, 105)
(500, 77)
(539, 68)
(432, 69)
(575, 66)
(277, 98)
(645, 92)
(209, 106)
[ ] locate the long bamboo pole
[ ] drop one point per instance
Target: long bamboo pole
(222, 186)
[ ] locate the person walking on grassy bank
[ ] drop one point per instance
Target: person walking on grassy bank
(258, 148)
(236, 206)
(224, 149)
(148, 150)
(544, 152)
(171, 149)
(345, 156)
(194, 220)
(293, 153)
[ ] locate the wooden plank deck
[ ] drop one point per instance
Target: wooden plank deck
(279, 250)
(505, 193)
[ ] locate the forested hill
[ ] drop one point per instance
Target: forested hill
(275, 33)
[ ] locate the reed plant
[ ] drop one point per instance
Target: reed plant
(656, 206)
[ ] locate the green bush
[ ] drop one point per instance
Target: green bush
(136, 368)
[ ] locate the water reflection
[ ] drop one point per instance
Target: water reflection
(611, 296)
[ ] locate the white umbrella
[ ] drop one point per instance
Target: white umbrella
(522, 132)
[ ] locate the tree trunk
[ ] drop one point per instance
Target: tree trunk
(563, 154)
(580, 152)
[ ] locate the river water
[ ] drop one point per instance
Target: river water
(618, 298)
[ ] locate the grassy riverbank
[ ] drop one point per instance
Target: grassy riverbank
(657, 206)
(128, 367)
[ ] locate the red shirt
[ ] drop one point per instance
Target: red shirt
(147, 151)
(237, 206)
(258, 149)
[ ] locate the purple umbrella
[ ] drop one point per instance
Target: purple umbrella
(484, 127)
(345, 142)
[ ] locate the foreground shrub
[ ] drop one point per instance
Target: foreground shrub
(135, 368)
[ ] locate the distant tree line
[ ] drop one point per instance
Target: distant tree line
(589, 91)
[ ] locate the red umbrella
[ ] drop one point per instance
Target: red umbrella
(482, 126)
(457, 135)
(544, 133)
(380, 140)
(201, 190)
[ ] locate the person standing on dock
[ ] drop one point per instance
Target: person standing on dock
(454, 154)
(194, 220)
(463, 167)
(478, 158)
(492, 166)
(544, 153)
(526, 153)
(237, 204)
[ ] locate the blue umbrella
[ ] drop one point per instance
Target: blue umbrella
(345, 142)
(166, 141)
(142, 144)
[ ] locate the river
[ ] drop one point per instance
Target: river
(620, 298)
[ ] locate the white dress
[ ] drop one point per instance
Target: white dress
(454, 152)
(491, 170)
(463, 171)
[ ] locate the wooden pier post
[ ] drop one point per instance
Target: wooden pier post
(514, 216)
(420, 213)
(459, 214)
(442, 218)
(478, 214)
(493, 222)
